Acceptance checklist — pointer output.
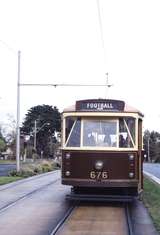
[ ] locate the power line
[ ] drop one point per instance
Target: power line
(100, 25)
(103, 46)
(101, 30)
(62, 84)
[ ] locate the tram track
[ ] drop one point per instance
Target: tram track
(38, 212)
(128, 219)
(25, 196)
(92, 220)
(62, 220)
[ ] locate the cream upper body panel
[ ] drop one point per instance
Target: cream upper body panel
(100, 111)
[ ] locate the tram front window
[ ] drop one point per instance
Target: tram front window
(112, 133)
(100, 133)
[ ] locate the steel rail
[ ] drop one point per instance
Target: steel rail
(19, 182)
(62, 221)
(128, 220)
(13, 203)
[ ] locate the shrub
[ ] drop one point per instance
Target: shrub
(22, 173)
(35, 168)
(38, 169)
(46, 166)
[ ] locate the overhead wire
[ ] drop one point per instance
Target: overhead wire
(103, 45)
(71, 85)
(61, 84)
(101, 28)
(82, 85)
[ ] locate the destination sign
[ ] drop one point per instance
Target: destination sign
(100, 105)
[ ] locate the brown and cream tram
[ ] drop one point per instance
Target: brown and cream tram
(102, 150)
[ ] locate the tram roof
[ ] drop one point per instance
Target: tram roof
(127, 108)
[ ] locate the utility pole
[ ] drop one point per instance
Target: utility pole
(35, 133)
(18, 105)
(148, 148)
(18, 116)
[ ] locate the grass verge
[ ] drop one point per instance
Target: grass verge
(29, 169)
(8, 179)
(152, 201)
(7, 162)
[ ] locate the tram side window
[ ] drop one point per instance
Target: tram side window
(73, 130)
(126, 132)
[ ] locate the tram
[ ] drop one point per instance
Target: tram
(102, 150)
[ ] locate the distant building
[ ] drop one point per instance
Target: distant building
(8, 154)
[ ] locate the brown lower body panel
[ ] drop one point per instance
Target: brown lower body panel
(119, 174)
(93, 183)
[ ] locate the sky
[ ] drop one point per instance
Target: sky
(60, 42)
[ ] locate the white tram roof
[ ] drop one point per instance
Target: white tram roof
(127, 108)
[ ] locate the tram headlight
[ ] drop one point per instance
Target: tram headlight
(131, 157)
(98, 165)
(67, 173)
(131, 174)
(68, 155)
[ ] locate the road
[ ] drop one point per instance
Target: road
(153, 168)
(32, 206)
(6, 168)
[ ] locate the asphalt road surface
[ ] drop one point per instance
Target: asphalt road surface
(32, 206)
(153, 168)
(6, 168)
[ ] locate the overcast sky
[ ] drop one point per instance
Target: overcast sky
(60, 42)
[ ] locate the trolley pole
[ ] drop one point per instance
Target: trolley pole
(18, 117)
(108, 85)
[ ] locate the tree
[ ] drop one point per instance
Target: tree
(2, 141)
(9, 133)
(2, 145)
(152, 145)
(48, 122)
(10, 130)
(155, 147)
(146, 139)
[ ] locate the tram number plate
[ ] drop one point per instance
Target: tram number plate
(97, 175)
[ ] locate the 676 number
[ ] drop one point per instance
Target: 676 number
(98, 175)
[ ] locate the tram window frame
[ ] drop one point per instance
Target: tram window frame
(106, 118)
